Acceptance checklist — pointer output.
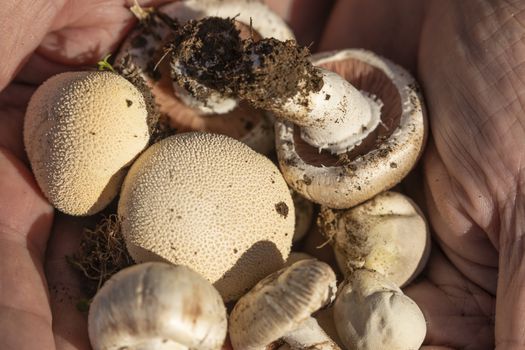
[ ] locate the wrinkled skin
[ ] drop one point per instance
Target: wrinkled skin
(468, 56)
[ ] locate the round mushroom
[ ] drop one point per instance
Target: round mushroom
(278, 308)
(388, 234)
(211, 203)
(157, 306)
(81, 130)
(372, 313)
(346, 154)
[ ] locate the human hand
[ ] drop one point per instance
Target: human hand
(38, 290)
(468, 56)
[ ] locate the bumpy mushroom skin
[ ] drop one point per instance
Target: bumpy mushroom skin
(157, 306)
(279, 307)
(211, 203)
(81, 130)
(388, 234)
(344, 186)
(372, 313)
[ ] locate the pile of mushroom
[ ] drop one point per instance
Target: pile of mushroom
(210, 220)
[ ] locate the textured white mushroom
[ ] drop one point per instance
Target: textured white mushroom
(278, 308)
(372, 313)
(81, 130)
(211, 203)
(157, 306)
(377, 162)
(388, 234)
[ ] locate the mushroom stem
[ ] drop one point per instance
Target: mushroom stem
(337, 117)
(309, 335)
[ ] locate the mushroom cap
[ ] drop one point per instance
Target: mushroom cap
(81, 130)
(372, 313)
(211, 203)
(324, 178)
(388, 234)
(279, 303)
(157, 306)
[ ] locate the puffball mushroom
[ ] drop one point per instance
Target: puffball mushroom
(157, 306)
(279, 308)
(81, 130)
(372, 313)
(388, 234)
(336, 151)
(211, 203)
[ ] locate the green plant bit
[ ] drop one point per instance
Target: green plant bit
(105, 65)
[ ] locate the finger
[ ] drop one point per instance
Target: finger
(459, 314)
(25, 222)
(389, 28)
(464, 241)
(65, 286)
(24, 24)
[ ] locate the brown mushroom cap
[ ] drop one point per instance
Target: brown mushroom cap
(382, 160)
(211, 203)
(81, 130)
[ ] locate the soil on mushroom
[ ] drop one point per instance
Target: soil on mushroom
(267, 72)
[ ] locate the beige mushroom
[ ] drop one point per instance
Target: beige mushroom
(277, 310)
(211, 203)
(377, 155)
(388, 234)
(372, 313)
(157, 306)
(81, 130)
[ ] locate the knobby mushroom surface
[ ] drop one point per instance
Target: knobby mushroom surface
(211, 203)
(81, 130)
(157, 306)
(377, 162)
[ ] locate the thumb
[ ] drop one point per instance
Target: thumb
(25, 222)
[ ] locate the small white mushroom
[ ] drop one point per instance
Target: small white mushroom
(157, 306)
(211, 203)
(372, 155)
(372, 313)
(81, 130)
(388, 234)
(278, 308)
